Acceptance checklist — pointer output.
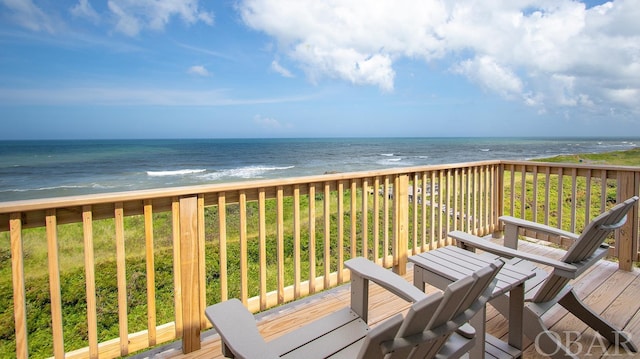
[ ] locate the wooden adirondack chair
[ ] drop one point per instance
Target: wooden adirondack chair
(546, 289)
(434, 326)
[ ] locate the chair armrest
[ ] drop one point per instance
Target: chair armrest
(468, 240)
(390, 281)
(537, 227)
(237, 328)
(466, 330)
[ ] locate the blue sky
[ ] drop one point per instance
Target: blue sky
(307, 68)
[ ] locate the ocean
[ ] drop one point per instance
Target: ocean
(42, 169)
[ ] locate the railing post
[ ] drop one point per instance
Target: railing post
(401, 225)
(190, 274)
(19, 293)
(627, 236)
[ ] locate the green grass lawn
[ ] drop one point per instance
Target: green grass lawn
(618, 158)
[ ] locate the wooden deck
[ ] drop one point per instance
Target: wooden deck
(613, 293)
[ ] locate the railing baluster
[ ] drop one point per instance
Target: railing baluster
(121, 274)
(415, 199)
(481, 200)
(222, 243)
(423, 204)
(354, 219)
(150, 272)
(376, 220)
(588, 190)
(280, 243)
(54, 283)
(312, 238)
(244, 281)
(296, 242)
(365, 218)
(401, 226)
(433, 241)
(574, 198)
(603, 191)
(461, 216)
(340, 220)
(512, 190)
(395, 220)
(385, 223)
(493, 197)
(262, 256)
(447, 210)
(485, 182)
(19, 294)
(327, 235)
(534, 211)
(489, 199)
(547, 190)
(90, 278)
(468, 193)
(523, 192)
(477, 201)
(560, 197)
(456, 197)
(440, 209)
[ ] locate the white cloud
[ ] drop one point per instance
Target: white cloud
(84, 9)
(132, 16)
(629, 97)
(198, 70)
(125, 23)
(275, 66)
(545, 53)
(491, 75)
(267, 122)
(28, 15)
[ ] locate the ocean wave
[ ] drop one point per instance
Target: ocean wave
(174, 173)
(622, 144)
(386, 154)
(396, 161)
(244, 172)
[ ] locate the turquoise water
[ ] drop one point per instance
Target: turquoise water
(39, 169)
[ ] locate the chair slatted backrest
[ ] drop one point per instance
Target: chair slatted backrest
(597, 231)
(430, 322)
(591, 238)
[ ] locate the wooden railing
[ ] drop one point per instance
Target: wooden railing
(152, 260)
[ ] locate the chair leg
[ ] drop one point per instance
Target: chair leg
(546, 342)
(617, 337)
